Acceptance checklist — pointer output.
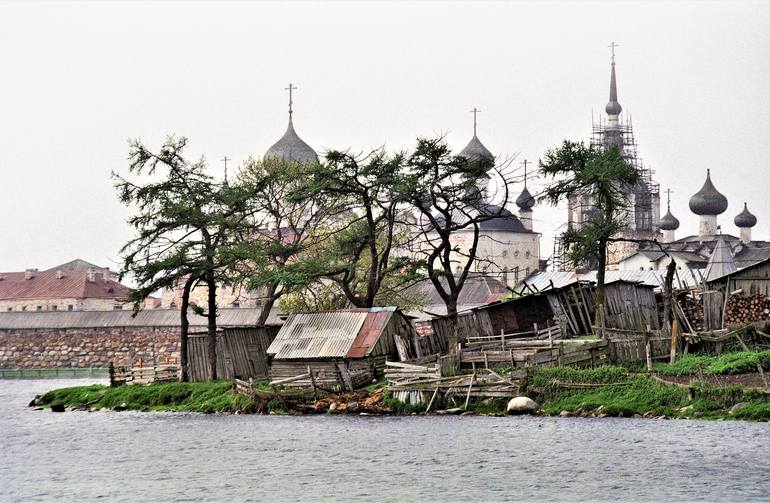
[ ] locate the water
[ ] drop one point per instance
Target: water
(127, 456)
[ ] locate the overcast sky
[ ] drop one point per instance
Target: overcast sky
(77, 80)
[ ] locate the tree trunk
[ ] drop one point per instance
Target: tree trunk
(453, 337)
(668, 287)
(599, 307)
(212, 325)
(268, 305)
(183, 358)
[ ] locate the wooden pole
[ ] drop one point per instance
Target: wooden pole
(674, 339)
(647, 348)
(468, 396)
(312, 382)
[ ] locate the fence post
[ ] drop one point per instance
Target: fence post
(647, 348)
(312, 382)
(674, 339)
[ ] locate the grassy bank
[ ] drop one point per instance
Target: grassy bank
(612, 391)
(605, 391)
(726, 364)
(206, 397)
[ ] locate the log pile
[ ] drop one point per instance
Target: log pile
(746, 309)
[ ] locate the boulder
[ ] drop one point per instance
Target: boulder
(738, 406)
(566, 413)
(521, 405)
(333, 407)
(354, 407)
(57, 407)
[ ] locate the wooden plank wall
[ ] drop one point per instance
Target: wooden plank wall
(713, 304)
(629, 346)
(241, 352)
(630, 307)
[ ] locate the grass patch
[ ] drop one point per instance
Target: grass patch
(206, 397)
(729, 363)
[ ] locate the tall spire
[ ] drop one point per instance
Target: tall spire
(613, 108)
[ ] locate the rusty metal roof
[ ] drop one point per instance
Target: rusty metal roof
(331, 334)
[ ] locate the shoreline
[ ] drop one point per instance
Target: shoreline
(608, 391)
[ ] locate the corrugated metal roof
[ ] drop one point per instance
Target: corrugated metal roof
(241, 317)
(543, 281)
(369, 334)
(329, 334)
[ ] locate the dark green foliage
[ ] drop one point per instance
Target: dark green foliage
(729, 363)
(605, 374)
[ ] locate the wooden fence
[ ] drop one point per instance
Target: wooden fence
(241, 352)
(630, 345)
(144, 375)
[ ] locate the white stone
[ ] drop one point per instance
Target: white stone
(521, 405)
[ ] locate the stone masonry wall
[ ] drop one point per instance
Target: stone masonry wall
(87, 347)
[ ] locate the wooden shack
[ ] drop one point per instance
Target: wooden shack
(241, 353)
(336, 350)
(630, 306)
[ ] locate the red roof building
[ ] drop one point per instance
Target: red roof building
(74, 286)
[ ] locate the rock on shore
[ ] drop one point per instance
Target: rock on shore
(521, 405)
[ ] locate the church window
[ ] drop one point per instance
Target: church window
(236, 304)
(54, 308)
(39, 308)
(527, 254)
(10, 309)
(117, 307)
(505, 253)
(69, 307)
(516, 254)
(23, 308)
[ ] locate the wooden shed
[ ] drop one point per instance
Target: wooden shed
(344, 349)
(241, 353)
(630, 306)
(751, 280)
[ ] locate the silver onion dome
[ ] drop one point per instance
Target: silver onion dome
(745, 218)
(708, 200)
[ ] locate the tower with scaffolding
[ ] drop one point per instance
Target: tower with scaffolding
(642, 216)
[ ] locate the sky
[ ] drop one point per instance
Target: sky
(78, 80)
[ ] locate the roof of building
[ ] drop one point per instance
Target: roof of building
(745, 218)
(477, 291)
(708, 200)
(721, 261)
(348, 333)
(476, 150)
(525, 201)
(500, 219)
(77, 264)
(72, 283)
(669, 222)
(547, 280)
(291, 148)
(15, 320)
(613, 107)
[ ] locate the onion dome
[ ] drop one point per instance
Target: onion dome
(708, 200)
(613, 107)
(475, 150)
(745, 218)
(291, 148)
(669, 222)
(525, 201)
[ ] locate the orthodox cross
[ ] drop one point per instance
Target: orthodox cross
(291, 88)
(224, 160)
(525, 172)
(613, 45)
(668, 198)
(475, 111)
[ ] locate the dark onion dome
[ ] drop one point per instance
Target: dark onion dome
(503, 220)
(669, 222)
(525, 201)
(745, 218)
(708, 200)
(291, 148)
(613, 107)
(475, 150)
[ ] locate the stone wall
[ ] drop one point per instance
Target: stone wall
(87, 347)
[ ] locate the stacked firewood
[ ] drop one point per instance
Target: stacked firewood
(745, 309)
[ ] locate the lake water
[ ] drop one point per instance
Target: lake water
(133, 456)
